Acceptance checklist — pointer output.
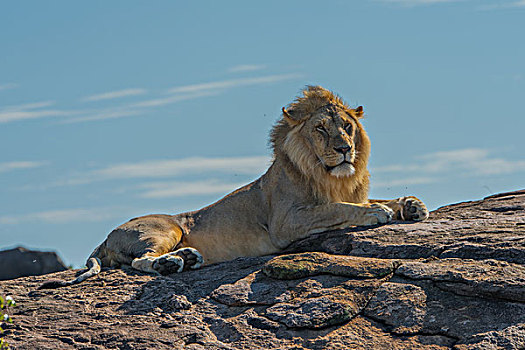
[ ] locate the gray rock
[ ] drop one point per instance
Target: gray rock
(510, 338)
(400, 306)
(21, 262)
(489, 278)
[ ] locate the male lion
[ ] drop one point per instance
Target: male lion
(318, 181)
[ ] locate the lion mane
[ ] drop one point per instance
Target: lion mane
(294, 151)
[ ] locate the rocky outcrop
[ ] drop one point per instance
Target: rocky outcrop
(455, 281)
(21, 262)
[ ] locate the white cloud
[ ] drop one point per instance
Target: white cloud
(11, 116)
(429, 168)
(114, 94)
(26, 106)
(485, 6)
(111, 113)
(172, 99)
(133, 109)
(476, 161)
(404, 182)
(8, 86)
(504, 5)
(418, 2)
(182, 189)
(226, 84)
(246, 68)
(172, 168)
(11, 166)
(164, 168)
(177, 94)
(61, 216)
(32, 111)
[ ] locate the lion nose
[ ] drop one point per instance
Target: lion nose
(342, 149)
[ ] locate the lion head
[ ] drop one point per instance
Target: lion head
(323, 139)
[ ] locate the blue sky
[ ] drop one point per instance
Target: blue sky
(110, 110)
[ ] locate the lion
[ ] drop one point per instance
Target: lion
(318, 181)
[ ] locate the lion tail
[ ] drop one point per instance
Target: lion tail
(93, 265)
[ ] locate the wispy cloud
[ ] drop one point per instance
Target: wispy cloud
(110, 113)
(165, 168)
(63, 216)
(115, 94)
(171, 96)
(246, 68)
(172, 168)
(32, 111)
(472, 161)
(8, 86)
(19, 165)
(227, 84)
(476, 161)
(27, 106)
(133, 109)
(408, 181)
(480, 5)
(502, 5)
(179, 94)
(173, 99)
(181, 189)
(418, 2)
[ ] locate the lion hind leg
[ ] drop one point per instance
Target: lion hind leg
(191, 256)
(164, 264)
(172, 262)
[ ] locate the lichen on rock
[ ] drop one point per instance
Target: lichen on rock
(294, 266)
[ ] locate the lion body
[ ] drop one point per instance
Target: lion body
(318, 181)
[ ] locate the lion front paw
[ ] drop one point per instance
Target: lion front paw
(377, 214)
(412, 209)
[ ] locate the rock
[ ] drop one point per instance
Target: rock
(402, 307)
(21, 262)
(320, 302)
(296, 266)
(490, 278)
(254, 289)
(455, 281)
(508, 338)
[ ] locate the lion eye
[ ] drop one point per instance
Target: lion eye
(321, 129)
(348, 129)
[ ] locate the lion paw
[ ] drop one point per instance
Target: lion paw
(377, 214)
(168, 263)
(412, 209)
(191, 256)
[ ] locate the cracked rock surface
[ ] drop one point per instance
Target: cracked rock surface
(456, 281)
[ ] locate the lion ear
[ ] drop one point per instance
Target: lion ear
(289, 117)
(359, 112)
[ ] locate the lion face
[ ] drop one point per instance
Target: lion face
(329, 139)
(332, 135)
(321, 138)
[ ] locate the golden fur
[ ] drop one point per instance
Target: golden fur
(318, 181)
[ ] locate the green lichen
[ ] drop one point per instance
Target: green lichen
(295, 266)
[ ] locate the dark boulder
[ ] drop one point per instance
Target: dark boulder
(21, 262)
